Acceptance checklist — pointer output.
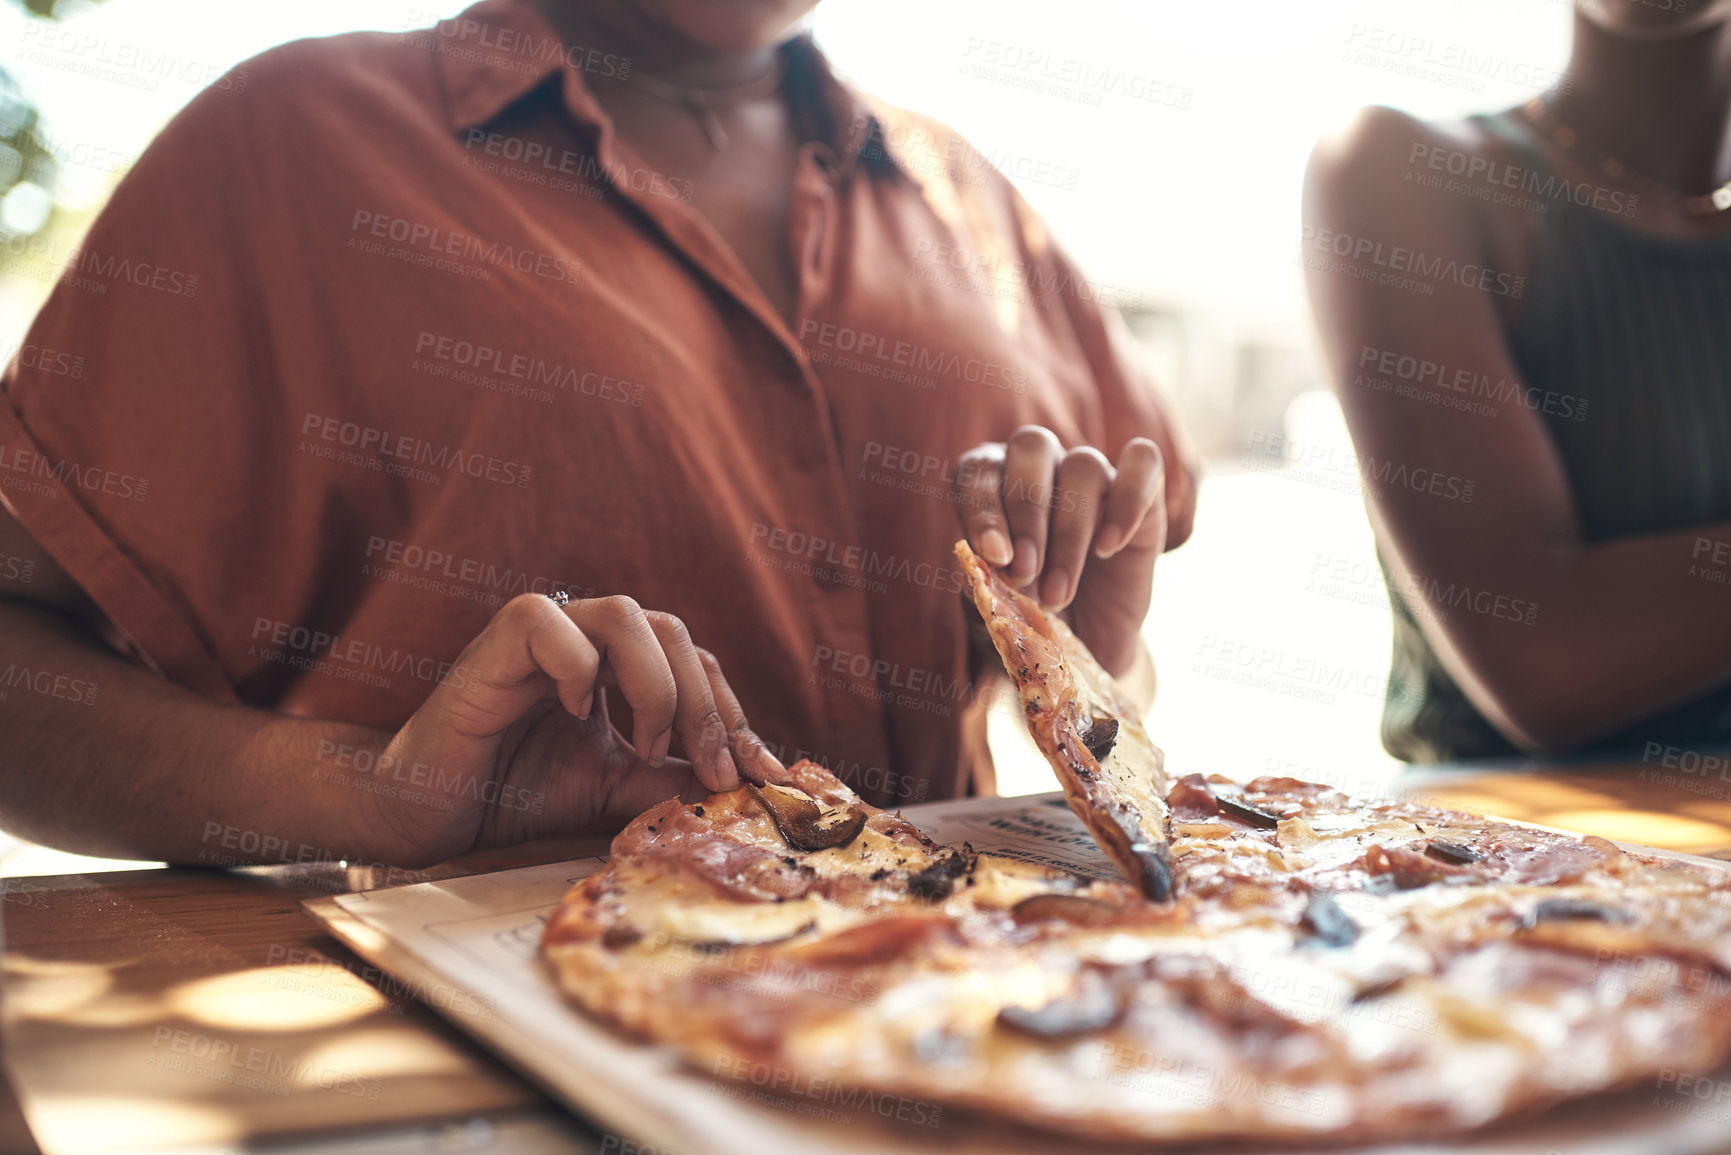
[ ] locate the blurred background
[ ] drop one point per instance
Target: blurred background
(1165, 145)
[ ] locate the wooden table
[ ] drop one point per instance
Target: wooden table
(1677, 800)
(194, 1008)
(188, 1008)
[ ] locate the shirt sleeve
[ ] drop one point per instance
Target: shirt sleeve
(132, 415)
(1131, 404)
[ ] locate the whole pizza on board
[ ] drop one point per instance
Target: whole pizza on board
(1280, 962)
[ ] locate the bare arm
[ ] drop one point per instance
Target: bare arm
(99, 756)
(1622, 629)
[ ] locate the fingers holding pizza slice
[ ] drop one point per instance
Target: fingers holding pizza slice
(1113, 776)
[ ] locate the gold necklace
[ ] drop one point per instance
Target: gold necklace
(702, 102)
(1539, 114)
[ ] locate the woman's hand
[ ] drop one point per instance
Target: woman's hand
(1071, 529)
(516, 742)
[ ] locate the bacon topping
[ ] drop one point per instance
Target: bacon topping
(1408, 868)
(1192, 798)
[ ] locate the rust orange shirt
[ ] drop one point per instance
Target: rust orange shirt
(398, 328)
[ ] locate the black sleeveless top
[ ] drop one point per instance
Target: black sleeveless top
(1638, 328)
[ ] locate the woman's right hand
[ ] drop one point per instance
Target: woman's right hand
(516, 742)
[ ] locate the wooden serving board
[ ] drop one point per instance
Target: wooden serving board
(480, 935)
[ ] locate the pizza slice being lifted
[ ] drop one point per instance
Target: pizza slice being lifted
(1113, 776)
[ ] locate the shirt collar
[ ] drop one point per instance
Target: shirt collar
(499, 51)
(491, 56)
(845, 118)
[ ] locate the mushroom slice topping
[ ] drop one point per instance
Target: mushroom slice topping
(1093, 1006)
(1071, 908)
(1330, 925)
(1452, 852)
(1245, 812)
(807, 825)
(1563, 909)
(1100, 736)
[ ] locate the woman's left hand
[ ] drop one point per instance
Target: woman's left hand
(1071, 529)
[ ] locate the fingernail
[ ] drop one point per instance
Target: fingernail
(1109, 541)
(726, 773)
(995, 547)
(658, 752)
(1027, 563)
(1054, 589)
(586, 705)
(770, 766)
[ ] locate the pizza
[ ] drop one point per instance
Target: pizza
(1322, 968)
(1113, 776)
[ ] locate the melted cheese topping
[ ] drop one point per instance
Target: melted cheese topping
(737, 923)
(869, 851)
